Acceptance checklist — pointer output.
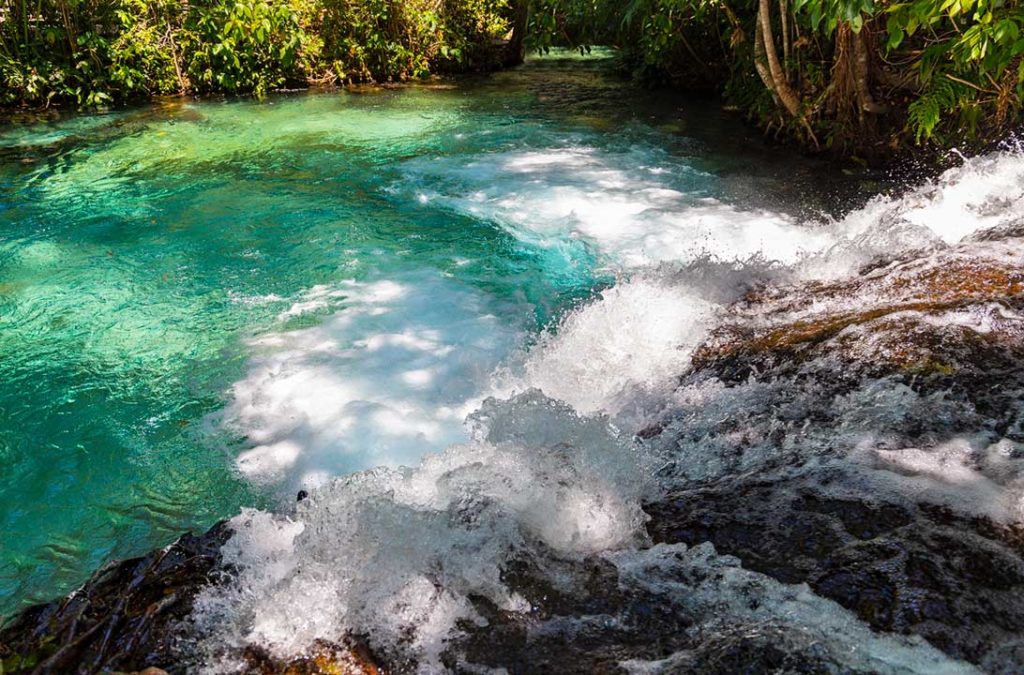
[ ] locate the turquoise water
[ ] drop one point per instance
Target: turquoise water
(170, 276)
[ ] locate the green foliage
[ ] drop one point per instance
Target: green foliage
(925, 113)
(470, 30)
(670, 32)
(969, 63)
(876, 73)
(379, 36)
(397, 40)
(244, 45)
(573, 23)
(924, 70)
(826, 15)
(49, 49)
(92, 52)
(144, 55)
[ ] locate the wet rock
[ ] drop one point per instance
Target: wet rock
(322, 658)
(122, 619)
(949, 318)
(824, 480)
(584, 624)
(956, 581)
(129, 616)
(676, 609)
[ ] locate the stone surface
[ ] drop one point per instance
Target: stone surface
(127, 619)
(958, 582)
(123, 619)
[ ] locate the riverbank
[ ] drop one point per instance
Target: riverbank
(92, 54)
(888, 162)
(862, 83)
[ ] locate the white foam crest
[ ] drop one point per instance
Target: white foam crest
(635, 207)
(640, 207)
(395, 554)
(984, 192)
(972, 475)
(390, 375)
(625, 348)
(622, 349)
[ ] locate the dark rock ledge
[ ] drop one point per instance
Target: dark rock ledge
(903, 566)
(122, 619)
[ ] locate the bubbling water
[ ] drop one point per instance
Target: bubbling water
(553, 468)
(399, 552)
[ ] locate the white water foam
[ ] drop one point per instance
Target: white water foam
(399, 552)
(635, 335)
(640, 207)
(634, 207)
(395, 554)
(985, 192)
(639, 335)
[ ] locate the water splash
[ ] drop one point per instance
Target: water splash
(400, 554)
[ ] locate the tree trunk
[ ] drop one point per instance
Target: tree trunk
(784, 25)
(516, 49)
(766, 61)
(862, 74)
(851, 75)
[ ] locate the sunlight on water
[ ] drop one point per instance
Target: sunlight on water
(395, 370)
(555, 471)
(207, 305)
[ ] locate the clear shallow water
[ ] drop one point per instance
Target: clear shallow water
(208, 305)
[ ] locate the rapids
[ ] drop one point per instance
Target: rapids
(208, 305)
(480, 329)
(558, 467)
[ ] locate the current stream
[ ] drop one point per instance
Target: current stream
(308, 286)
(206, 307)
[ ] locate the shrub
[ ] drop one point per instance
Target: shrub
(90, 52)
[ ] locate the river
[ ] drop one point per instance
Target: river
(206, 307)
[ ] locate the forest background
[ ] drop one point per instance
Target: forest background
(856, 77)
